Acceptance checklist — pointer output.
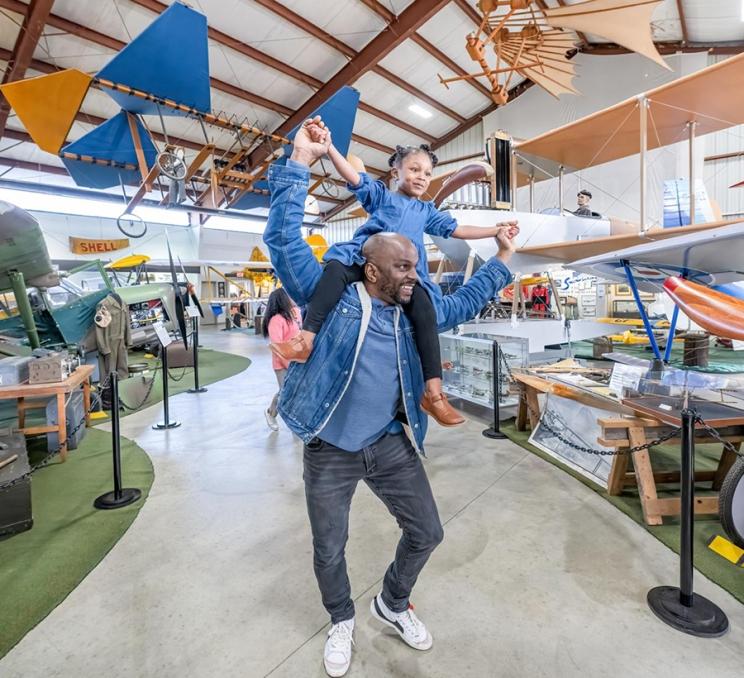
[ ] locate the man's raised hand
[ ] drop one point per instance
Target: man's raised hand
(506, 240)
(312, 141)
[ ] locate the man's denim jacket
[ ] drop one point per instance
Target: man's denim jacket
(312, 390)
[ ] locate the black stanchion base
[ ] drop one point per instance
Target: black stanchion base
(162, 425)
(201, 389)
(495, 435)
(704, 619)
(110, 501)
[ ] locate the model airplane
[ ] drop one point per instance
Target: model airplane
(163, 72)
(531, 39)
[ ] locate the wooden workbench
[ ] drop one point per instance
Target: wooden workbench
(22, 393)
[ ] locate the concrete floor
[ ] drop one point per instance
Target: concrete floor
(537, 575)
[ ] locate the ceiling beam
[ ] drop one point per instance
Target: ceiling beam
(331, 41)
(449, 63)
(35, 18)
(671, 47)
(389, 17)
(466, 7)
(373, 144)
(682, 22)
(416, 14)
(303, 24)
(35, 166)
(280, 66)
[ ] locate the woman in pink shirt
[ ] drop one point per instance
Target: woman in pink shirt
(281, 323)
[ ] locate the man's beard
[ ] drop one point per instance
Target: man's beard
(391, 291)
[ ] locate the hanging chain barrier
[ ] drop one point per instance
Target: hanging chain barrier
(150, 386)
(46, 460)
(551, 421)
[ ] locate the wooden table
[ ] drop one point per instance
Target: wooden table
(23, 392)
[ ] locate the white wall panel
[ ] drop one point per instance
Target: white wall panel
(719, 175)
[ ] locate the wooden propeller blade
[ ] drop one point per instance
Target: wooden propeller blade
(721, 314)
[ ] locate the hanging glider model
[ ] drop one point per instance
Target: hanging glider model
(163, 72)
(534, 41)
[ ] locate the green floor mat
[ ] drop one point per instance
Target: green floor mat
(40, 567)
(725, 574)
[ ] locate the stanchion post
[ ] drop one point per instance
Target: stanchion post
(681, 607)
(195, 341)
(495, 430)
(120, 496)
(166, 423)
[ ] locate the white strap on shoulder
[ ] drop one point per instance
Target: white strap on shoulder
(366, 302)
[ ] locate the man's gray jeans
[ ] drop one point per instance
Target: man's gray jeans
(393, 471)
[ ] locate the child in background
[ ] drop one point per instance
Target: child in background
(281, 323)
(401, 211)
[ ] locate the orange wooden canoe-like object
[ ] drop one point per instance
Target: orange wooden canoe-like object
(720, 314)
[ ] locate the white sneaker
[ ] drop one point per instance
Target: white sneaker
(409, 627)
(271, 421)
(337, 655)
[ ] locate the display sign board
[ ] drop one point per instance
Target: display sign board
(96, 246)
(192, 311)
(163, 337)
(578, 424)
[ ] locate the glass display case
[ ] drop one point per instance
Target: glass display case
(467, 360)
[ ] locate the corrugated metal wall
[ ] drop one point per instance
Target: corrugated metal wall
(720, 174)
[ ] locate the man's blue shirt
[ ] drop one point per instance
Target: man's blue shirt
(368, 408)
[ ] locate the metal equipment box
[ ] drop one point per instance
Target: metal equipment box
(75, 413)
(51, 369)
(15, 501)
(14, 370)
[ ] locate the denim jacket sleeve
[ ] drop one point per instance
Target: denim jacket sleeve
(291, 256)
(466, 302)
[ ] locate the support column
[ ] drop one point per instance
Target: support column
(560, 188)
(691, 126)
(532, 192)
(18, 284)
(643, 111)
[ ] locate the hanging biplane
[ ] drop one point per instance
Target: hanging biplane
(162, 72)
(532, 40)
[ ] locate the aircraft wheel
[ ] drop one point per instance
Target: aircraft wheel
(131, 225)
(172, 165)
(731, 503)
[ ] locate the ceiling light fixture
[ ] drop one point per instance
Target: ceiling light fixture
(421, 111)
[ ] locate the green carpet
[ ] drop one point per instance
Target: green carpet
(725, 574)
(40, 567)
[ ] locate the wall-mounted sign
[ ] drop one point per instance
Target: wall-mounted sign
(95, 246)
